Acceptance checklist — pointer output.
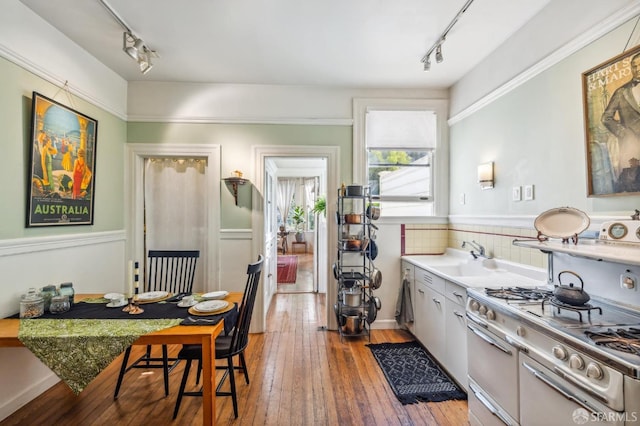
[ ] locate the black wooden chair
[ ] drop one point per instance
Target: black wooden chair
(226, 346)
(172, 271)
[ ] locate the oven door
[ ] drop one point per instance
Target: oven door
(493, 367)
(484, 411)
(547, 399)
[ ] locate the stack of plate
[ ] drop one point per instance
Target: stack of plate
(209, 307)
(214, 295)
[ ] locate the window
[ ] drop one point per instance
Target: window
(398, 150)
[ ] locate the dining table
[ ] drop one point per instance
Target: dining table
(202, 332)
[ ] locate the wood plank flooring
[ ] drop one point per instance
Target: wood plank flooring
(300, 375)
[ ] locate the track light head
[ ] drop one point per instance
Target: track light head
(427, 64)
(138, 50)
(439, 53)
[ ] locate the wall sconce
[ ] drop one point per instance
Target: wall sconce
(485, 175)
(236, 180)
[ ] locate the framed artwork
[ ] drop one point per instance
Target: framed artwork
(611, 97)
(62, 165)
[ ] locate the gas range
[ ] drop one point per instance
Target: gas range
(508, 311)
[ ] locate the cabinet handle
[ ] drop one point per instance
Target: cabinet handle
(458, 314)
(420, 291)
(458, 295)
(436, 301)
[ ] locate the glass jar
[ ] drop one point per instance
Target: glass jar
(47, 293)
(59, 304)
(66, 289)
(31, 304)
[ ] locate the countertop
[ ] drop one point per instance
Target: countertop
(461, 268)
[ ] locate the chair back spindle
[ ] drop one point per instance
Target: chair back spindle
(171, 270)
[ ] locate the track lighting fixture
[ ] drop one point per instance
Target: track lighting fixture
(437, 46)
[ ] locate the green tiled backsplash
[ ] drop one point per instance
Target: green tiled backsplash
(434, 239)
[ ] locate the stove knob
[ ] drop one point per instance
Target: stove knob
(520, 331)
(576, 362)
(560, 352)
(491, 315)
(594, 371)
(482, 310)
(474, 305)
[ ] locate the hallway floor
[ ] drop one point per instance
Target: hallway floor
(304, 278)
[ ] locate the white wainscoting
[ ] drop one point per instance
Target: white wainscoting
(93, 262)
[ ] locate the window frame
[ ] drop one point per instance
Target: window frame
(440, 155)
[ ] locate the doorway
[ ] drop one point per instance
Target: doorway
(265, 226)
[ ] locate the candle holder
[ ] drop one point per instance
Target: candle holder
(133, 308)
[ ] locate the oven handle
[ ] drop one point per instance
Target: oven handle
(519, 346)
(477, 321)
(581, 386)
(489, 406)
(489, 340)
(559, 388)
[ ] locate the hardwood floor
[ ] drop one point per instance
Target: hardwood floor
(304, 278)
(300, 375)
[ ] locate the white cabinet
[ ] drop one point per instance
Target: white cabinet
(440, 322)
(455, 325)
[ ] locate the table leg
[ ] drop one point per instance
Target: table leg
(208, 381)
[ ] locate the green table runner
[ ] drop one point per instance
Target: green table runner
(77, 350)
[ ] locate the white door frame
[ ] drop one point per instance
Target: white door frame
(260, 153)
(135, 155)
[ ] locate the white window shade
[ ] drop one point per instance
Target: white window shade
(400, 129)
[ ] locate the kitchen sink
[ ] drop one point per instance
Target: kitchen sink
(470, 268)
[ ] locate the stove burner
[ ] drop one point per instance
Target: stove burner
(621, 340)
(518, 293)
(578, 309)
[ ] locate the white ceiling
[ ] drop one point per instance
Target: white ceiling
(354, 43)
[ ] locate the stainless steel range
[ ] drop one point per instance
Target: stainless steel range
(536, 361)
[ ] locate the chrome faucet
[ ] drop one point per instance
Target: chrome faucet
(481, 252)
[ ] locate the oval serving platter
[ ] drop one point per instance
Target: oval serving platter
(561, 222)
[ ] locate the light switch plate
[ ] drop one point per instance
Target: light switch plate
(528, 192)
(516, 194)
(463, 198)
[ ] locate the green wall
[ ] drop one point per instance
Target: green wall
(236, 142)
(16, 87)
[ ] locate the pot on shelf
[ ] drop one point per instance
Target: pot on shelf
(352, 218)
(352, 296)
(352, 323)
(569, 294)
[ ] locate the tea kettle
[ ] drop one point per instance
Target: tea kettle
(575, 296)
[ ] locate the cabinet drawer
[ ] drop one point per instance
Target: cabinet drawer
(431, 280)
(456, 293)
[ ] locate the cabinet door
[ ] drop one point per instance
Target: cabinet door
(456, 342)
(431, 328)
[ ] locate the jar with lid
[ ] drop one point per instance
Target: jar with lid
(66, 289)
(47, 293)
(31, 304)
(59, 304)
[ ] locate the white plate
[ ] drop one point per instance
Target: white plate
(153, 295)
(182, 304)
(215, 295)
(110, 296)
(211, 306)
(563, 222)
(122, 303)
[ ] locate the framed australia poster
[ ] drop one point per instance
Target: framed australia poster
(62, 165)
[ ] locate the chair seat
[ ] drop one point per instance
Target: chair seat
(194, 351)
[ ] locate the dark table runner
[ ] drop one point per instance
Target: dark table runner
(160, 310)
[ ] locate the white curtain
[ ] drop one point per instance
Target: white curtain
(175, 199)
(309, 191)
(286, 189)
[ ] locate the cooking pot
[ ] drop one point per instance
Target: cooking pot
(352, 244)
(352, 323)
(339, 317)
(354, 191)
(352, 218)
(568, 293)
(352, 296)
(376, 278)
(373, 212)
(336, 274)
(372, 311)
(377, 301)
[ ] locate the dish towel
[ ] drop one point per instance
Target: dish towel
(404, 308)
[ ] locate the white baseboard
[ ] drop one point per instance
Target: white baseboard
(12, 405)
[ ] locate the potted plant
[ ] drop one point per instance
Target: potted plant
(320, 206)
(298, 218)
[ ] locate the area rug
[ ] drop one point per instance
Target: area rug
(287, 269)
(413, 375)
